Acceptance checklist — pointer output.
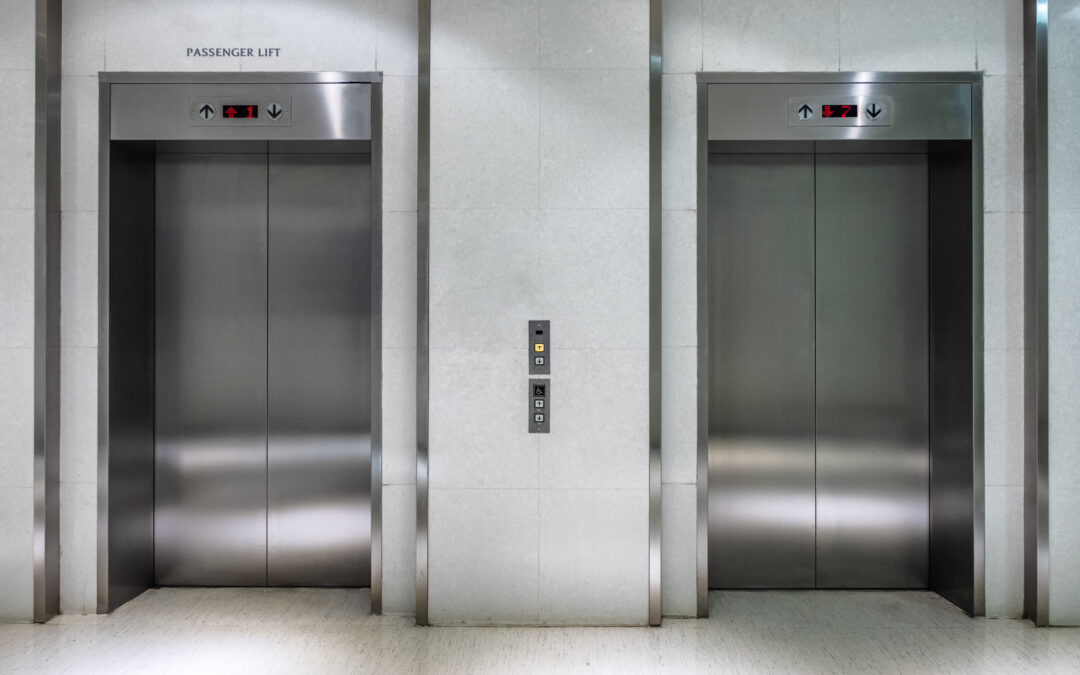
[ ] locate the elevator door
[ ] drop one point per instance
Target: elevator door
(818, 370)
(761, 398)
(873, 399)
(319, 447)
(263, 372)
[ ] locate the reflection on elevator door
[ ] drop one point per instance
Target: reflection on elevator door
(263, 375)
(819, 367)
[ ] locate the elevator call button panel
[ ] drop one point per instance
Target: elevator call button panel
(539, 407)
(539, 354)
(840, 111)
(240, 111)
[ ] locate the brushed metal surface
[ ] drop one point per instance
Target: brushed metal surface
(872, 371)
(319, 370)
(920, 110)
(656, 55)
(703, 353)
(126, 372)
(126, 464)
(837, 77)
(211, 369)
(46, 402)
(1036, 371)
(423, 295)
(761, 371)
(157, 111)
(375, 272)
(956, 504)
(977, 357)
(954, 473)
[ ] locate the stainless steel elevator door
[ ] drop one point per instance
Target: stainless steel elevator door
(319, 446)
(210, 373)
(263, 372)
(818, 370)
(761, 399)
(873, 453)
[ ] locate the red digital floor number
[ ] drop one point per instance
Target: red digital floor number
(241, 111)
(839, 111)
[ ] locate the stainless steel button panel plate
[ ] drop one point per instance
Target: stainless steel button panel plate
(539, 343)
(539, 408)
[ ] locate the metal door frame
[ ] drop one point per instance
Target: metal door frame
(704, 79)
(107, 600)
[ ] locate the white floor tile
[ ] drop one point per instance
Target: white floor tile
(331, 631)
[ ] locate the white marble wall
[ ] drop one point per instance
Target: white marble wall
(1063, 40)
(141, 35)
(17, 34)
(832, 35)
(539, 210)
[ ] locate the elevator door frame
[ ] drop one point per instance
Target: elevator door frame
(338, 112)
(754, 120)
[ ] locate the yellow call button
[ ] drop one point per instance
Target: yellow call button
(538, 347)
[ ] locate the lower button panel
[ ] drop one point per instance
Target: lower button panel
(539, 406)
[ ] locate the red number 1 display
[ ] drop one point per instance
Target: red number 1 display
(240, 111)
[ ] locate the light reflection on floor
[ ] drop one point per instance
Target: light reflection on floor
(330, 631)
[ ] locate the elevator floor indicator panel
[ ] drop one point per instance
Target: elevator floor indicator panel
(248, 111)
(840, 111)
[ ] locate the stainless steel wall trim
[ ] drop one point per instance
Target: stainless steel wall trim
(423, 216)
(1036, 304)
(104, 114)
(655, 307)
(46, 539)
(978, 384)
(376, 349)
(703, 349)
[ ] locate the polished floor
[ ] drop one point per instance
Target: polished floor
(329, 631)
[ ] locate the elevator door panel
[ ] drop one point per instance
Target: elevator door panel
(761, 399)
(872, 371)
(210, 370)
(319, 444)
